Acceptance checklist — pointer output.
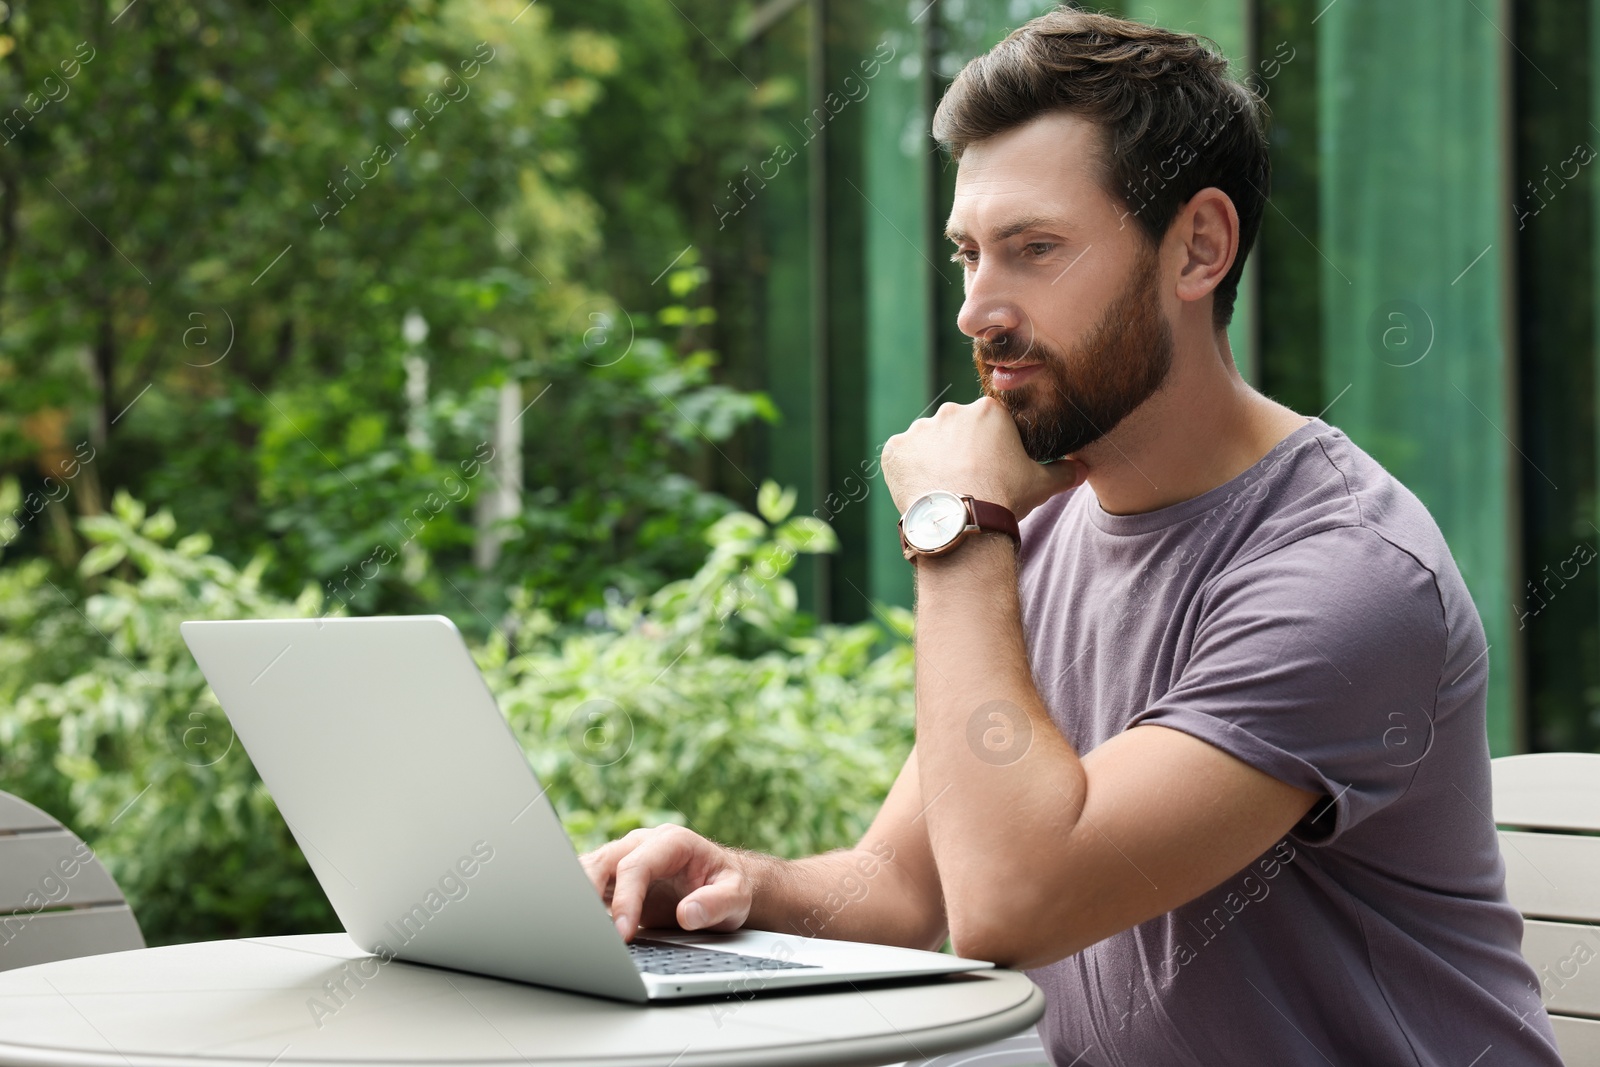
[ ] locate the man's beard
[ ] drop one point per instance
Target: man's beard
(1073, 401)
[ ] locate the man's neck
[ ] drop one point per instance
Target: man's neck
(1205, 427)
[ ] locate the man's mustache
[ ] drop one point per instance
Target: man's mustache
(1013, 346)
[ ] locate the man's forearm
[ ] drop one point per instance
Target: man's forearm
(856, 894)
(1002, 787)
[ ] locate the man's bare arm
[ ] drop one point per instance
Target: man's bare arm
(1041, 853)
(884, 890)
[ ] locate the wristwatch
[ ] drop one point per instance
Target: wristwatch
(936, 523)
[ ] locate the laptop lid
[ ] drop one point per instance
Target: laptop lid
(406, 790)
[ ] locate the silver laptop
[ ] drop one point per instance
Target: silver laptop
(419, 814)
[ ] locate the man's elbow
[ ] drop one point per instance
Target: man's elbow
(1011, 935)
(980, 941)
(990, 932)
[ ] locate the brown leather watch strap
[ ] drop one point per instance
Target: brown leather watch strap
(995, 517)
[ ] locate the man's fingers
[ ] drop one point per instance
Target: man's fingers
(716, 892)
(601, 864)
(599, 868)
(721, 904)
(662, 856)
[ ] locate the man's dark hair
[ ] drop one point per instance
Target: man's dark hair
(1173, 120)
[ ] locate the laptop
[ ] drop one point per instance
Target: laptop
(420, 816)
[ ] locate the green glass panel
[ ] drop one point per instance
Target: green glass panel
(1415, 362)
(846, 214)
(898, 263)
(1554, 606)
(785, 261)
(1287, 258)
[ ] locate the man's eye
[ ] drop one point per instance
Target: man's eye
(964, 255)
(1040, 248)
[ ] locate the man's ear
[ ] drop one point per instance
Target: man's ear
(1207, 230)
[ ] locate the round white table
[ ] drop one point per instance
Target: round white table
(317, 999)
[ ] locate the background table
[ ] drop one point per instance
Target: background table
(223, 1003)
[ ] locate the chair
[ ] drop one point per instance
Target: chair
(1553, 878)
(56, 900)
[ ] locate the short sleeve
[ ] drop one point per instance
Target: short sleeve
(1306, 660)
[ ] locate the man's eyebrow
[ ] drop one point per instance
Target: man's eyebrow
(1010, 230)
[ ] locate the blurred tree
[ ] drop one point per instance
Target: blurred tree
(682, 116)
(219, 226)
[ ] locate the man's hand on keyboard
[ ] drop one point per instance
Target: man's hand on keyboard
(670, 875)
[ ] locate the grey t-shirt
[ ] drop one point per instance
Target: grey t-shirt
(1307, 618)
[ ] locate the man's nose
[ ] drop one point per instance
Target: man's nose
(988, 316)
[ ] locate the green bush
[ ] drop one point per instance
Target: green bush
(711, 702)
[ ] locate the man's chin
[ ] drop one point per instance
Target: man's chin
(1059, 447)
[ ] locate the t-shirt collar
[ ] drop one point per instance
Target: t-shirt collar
(1161, 518)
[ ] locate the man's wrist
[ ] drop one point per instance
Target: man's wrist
(979, 548)
(761, 873)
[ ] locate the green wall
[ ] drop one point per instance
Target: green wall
(1416, 361)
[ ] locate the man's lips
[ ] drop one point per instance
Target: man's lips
(1010, 375)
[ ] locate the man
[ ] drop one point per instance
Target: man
(1206, 754)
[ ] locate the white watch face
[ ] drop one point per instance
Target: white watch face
(934, 520)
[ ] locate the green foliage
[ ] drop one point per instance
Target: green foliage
(619, 514)
(226, 313)
(130, 749)
(710, 702)
(278, 270)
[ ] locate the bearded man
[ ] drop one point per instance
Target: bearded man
(1204, 748)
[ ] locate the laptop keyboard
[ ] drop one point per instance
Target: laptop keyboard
(663, 957)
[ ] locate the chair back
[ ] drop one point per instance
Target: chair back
(1548, 807)
(56, 899)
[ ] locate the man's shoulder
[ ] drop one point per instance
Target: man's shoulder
(1343, 534)
(1315, 494)
(1332, 502)
(1350, 572)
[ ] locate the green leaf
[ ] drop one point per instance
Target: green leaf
(763, 406)
(101, 527)
(774, 502)
(806, 533)
(194, 546)
(102, 558)
(737, 527)
(159, 526)
(126, 508)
